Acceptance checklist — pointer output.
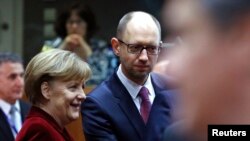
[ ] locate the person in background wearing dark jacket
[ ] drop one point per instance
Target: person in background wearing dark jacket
(12, 109)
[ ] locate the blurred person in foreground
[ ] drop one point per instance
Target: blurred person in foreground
(12, 109)
(133, 104)
(211, 66)
(54, 82)
(76, 26)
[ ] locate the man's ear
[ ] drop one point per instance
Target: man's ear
(116, 46)
(45, 90)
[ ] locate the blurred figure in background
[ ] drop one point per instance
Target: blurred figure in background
(12, 109)
(75, 27)
(212, 65)
(54, 82)
(161, 67)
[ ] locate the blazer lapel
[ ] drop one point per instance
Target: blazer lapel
(127, 105)
(161, 107)
(163, 101)
(24, 109)
(4, 126)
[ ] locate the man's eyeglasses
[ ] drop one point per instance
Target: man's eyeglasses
(137, 48)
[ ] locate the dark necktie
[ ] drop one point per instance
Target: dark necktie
(145, 104)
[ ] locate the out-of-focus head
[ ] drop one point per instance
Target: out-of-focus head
(212, 64)
(161, 67)
(11, 77)
(54, 81)
(76, 19)
(137, 44)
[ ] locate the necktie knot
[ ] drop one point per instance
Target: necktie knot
(12, 110)
(143, 93)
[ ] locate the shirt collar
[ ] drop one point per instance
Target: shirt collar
(131, 86)
(5, 106)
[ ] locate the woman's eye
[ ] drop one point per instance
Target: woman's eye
(73, 87)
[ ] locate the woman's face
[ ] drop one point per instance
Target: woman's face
(65, 98)
(76, 25)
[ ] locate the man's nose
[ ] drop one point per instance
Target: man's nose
(143, 56)
(19, 81)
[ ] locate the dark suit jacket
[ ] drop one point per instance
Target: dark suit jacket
(109, 113)
(5, 129)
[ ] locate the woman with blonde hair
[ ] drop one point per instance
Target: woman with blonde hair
(54, 82)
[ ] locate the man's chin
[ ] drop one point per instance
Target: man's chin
(141, 75)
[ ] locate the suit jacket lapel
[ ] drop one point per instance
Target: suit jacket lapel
(161, 107)
(4, 126)
(24, 109)
(127, 105)
(161, 104)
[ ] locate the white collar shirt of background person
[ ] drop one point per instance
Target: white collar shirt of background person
(5, 106)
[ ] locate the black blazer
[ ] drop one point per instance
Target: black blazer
(109, 113)
(5, 129)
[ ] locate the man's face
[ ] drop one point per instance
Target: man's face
(11, 81)
(206, 66)
(138, 66)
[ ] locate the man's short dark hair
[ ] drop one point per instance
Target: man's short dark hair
(10, 57)
(225, 13)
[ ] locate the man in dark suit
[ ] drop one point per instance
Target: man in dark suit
(133, 104)
(12, 110)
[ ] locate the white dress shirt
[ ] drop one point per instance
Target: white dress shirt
(134, 88)
(5, 106)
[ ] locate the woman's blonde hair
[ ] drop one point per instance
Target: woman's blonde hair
(49, 65)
